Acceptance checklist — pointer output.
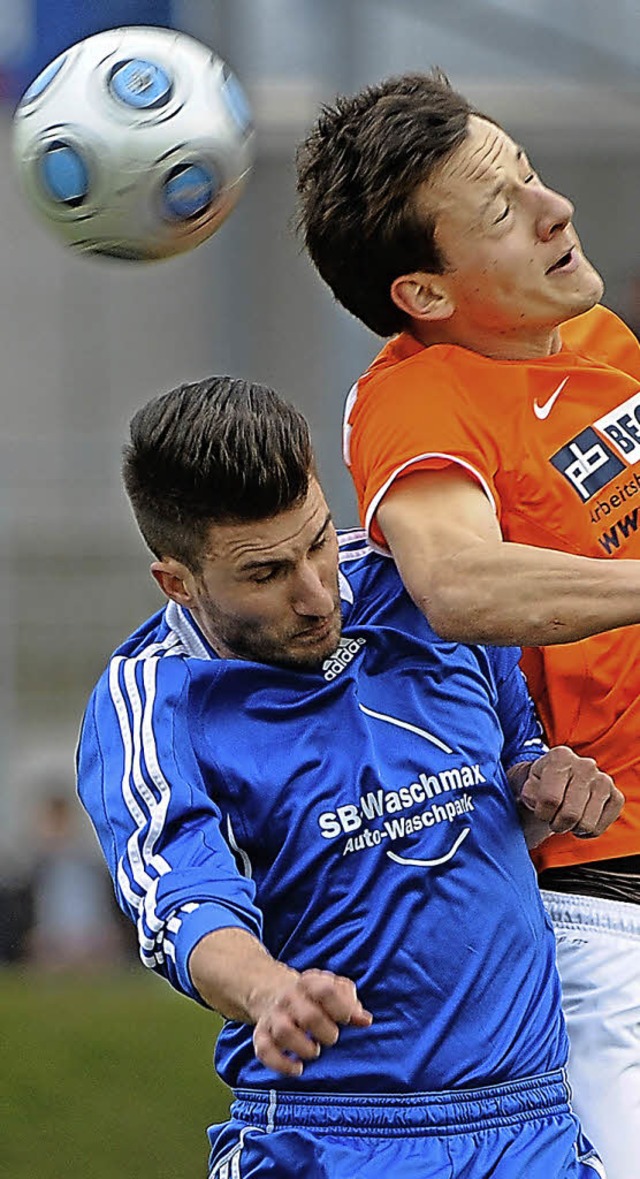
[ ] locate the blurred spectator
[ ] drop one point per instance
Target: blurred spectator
(16, 915)
(74, 923)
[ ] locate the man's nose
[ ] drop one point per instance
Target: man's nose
(554, 214)
(311, 596)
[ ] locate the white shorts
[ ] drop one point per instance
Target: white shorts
(598, 954)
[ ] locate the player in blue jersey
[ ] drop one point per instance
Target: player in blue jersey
(317, 813)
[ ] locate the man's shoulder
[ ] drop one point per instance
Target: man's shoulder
(408, 379)
(168, 637)
(373, 596)
(371, 588)
(360, 564)
(155, 637)
(403, 356)
(353, 545)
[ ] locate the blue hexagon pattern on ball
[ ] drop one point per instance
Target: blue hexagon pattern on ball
(135, 143)
(64, 176)
(188, 191)
(140, 84)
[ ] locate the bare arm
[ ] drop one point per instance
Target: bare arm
(563, 792)
(475, 587)
(293, 1012)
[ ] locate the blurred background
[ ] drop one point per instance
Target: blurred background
(82, 344)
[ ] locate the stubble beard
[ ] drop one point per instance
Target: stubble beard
(241, 640)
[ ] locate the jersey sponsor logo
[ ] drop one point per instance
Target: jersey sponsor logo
(622, 428)
(347, 650)
(386, 809)
(624, 524)
(621, 530)
(448, 855)
(587, 463)
(393, 829)
(617, 497)
(543, 411)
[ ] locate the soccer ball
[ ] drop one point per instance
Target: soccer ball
(135, 143)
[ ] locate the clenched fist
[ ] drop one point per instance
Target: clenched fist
(566, 793)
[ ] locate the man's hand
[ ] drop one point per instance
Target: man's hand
(302, 1016)
(563, 792)
(295, 1014)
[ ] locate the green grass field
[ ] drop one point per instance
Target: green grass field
(105, 1078)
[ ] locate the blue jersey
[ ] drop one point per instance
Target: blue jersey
(356, 818)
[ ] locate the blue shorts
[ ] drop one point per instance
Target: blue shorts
(520, 1129)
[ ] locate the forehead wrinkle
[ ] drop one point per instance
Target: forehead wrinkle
(483, 159)
(244, 543)
(241, 545)
(263, 556)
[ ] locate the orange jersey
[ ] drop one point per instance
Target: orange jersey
(555, 445)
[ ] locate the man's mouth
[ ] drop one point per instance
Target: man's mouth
(564, 262)
(320, 630)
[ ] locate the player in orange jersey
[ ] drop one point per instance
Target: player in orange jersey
(495, 448)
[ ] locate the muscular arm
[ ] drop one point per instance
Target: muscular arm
(293, 1013)
(474, 587)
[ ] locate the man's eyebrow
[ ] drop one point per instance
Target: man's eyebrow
(323, 528)
(262, 563)
(278, 562)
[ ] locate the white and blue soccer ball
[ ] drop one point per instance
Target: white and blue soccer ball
(135, 143)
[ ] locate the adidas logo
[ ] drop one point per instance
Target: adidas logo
(346, 650)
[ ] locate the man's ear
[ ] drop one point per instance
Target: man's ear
(422, 296)
(175, 580)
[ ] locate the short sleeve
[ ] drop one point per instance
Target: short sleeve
(415, 415)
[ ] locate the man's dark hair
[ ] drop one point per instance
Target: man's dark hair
(214, 451)
(358, 171)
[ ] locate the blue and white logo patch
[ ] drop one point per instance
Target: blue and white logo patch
(140, 84)
(587, 463)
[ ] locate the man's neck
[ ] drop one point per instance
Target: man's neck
(495, 346)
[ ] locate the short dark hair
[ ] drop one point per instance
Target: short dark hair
(357, 173)
(214, 451)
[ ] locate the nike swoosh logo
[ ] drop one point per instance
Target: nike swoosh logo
(543, 411)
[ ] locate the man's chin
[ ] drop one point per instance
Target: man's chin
(582, 302)
(592, 289)
(309, 656)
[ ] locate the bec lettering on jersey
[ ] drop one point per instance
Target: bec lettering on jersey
(601, 452)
